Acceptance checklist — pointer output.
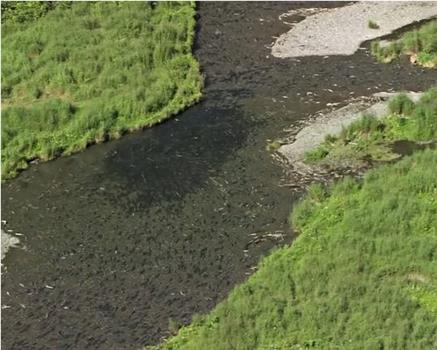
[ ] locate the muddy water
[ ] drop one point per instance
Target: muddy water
(158, 225)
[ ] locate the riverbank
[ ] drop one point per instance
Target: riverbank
(342, 283)
(360, 274)
(159, 225)
(419, 45)
(406, 124)
(127, 66)
(341, 31)
(359, 133)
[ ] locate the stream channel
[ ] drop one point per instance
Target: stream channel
(161, 224)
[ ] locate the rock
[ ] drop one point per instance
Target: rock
(8, 241)
(413, 58)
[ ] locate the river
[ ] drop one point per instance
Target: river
(160, 225)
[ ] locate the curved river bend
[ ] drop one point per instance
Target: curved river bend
(159, 225)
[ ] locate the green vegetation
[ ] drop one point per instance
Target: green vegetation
(25, 11)
(371, 139)
(420, 45)
(362, 274)
(83, 72)
(372, 25)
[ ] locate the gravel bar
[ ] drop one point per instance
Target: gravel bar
(341, 31)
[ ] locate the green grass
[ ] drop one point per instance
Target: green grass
(84, 72)
(372, 25)
(362, 273)
(25, 11)
(370, 138)
(420, 44)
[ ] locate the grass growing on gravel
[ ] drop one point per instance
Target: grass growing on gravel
(361, 275)
(420, 45)
(372, 25)
(370, 138)
(76, 73)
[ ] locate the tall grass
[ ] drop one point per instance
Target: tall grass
(361, 275)
(420, 44)
(84, 72)
(370, 137)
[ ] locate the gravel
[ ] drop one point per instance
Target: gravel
(331, 123)
(340, 31)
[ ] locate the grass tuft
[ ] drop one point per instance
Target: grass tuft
(372, 25)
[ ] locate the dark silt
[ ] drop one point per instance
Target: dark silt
(158, 225)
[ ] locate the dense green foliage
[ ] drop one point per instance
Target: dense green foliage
(25, 11)
(361, 275)
(370, 138)
(82, 72)
(420, 44)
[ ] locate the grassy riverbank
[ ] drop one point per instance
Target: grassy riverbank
(79, 73)
(361, 274)
(372, 139)
(420, 45)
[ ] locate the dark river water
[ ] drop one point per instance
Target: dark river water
(159, 225)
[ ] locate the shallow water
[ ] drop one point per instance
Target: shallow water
(158, 225)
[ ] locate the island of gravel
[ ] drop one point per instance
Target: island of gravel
(341, 31)
(332, 122)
